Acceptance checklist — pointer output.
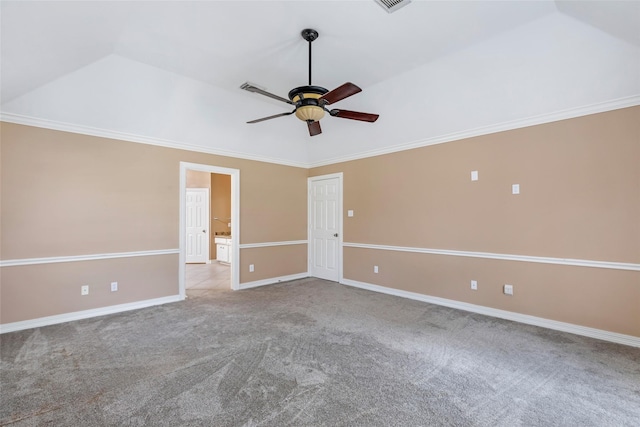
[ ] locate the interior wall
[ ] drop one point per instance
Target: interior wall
(220, 207)
(69, 195)
(198, 179)
(579, 199)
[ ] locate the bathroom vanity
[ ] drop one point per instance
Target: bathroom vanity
(223, 249)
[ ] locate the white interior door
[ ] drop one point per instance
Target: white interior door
(325, 227)
(197, 221)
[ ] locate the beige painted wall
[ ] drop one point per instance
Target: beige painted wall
(580, 198)
(66, 194)
(220, 207)
(272, 262)
(198, 179)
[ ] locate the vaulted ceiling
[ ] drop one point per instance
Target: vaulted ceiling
(169, 72)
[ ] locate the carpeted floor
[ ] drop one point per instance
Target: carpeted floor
(312, 353)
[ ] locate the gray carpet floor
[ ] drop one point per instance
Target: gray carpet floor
(312, 353)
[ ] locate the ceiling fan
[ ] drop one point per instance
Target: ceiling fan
(311, 101)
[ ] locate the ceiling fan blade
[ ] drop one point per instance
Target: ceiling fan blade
(340, 93)
(250, 88)
(354, 115)
(271, 117)
(314, 128)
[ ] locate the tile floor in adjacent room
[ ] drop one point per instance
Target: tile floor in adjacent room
(205, 278)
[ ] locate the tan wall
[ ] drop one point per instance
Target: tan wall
(34, 291)
(220, 207)
(198, 179)
(580, 198)
(272, 262)
(65, 194)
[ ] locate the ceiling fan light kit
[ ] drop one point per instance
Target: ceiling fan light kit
(310, 101)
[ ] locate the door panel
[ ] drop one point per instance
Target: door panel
(324, 225)
(197, 221)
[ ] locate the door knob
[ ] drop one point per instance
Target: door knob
(335, 235)
(204, 231)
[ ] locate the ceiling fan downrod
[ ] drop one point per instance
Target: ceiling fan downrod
(309, 35)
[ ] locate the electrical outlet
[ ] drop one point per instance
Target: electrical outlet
(114, 286)
(515, 189)
(474, 285)
(84, 290)
(251, 268)
(375, 269)
(508, 289)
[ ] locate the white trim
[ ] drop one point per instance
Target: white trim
(141, 139)
(340, 177)
(507, 257)
(629, 340)
(85, 314)
(570, 113)
(270, 244)
(273, 280)
(235, 220)
(93, 257)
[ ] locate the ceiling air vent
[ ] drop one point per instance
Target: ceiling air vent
(392, 5)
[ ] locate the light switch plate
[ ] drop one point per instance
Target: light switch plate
(350, 212)
(474, 285)
(515, 189)
(474, 175)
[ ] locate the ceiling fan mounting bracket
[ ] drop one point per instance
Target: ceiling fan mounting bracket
(309, 35)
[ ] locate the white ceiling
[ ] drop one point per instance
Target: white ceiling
(169, 72)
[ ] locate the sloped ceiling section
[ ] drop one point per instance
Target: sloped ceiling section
(169, 72)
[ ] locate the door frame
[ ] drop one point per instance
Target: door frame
(310, 181)
(235, 220)
(208, 215)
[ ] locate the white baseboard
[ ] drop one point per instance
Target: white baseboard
(503, 314)
(85, 314)
(273, 280)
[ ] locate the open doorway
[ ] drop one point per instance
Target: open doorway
(209, 230)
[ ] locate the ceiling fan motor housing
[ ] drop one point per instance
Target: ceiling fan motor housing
(306, 98)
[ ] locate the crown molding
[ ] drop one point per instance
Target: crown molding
(570, 113)
(601, 107)
(141, 139)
